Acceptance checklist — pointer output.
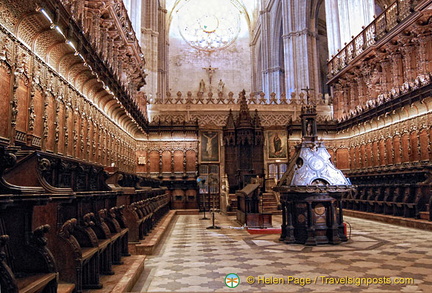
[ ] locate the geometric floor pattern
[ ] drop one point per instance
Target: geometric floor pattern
(378, 257)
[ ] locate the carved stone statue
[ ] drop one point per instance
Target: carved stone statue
(221, 86)
(201, 86)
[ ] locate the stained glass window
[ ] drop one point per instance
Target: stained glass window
(209, 25)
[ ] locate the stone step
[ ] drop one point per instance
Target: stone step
(125, 276)
(394, 220)
(65, 288)
(151, 241)
(269, 200)
(424, 215)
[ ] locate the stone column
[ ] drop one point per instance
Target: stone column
(333, 26)
(299, 37)
(153, 43)
(339, 13)
(265, 52)
(272, 75)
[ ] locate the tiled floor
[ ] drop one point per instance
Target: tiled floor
(195, 259)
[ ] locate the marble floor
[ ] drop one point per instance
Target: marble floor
(195, 259)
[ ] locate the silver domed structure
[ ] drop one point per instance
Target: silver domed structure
(311, 190)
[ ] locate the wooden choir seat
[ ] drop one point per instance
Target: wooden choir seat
(397, 202)
(348, 202)
(118, 235)
(80, 256)
(117, 212)
(143, 215)
(359, 201)
(371, 196)
(100, 235)
(379, 200)
(416, 201)
(138, 219)
(39, 274)
(91, 222)
(402, 190)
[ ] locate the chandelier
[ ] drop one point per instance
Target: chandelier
(209, 25)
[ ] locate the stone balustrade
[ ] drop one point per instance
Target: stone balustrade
(221, 98)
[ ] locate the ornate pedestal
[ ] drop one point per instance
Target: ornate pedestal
(311, 216)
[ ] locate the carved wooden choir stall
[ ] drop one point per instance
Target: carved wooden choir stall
(244, 141)
(60, 221)
(311, 190)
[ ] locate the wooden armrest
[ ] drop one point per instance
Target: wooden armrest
(35, 283)
(88, 252)
(124, 231)
(115, 236)
(103, 243)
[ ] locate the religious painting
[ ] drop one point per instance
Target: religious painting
(277, 144)
(209, 146)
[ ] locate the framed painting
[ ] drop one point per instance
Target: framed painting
(209, 146)
(277, 144)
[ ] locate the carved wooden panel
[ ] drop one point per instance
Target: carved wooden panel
(50, 125)
(166, 161)
(424, 145)
(38, 103)
(191, 158)
(70, 125)
(362, 160)
(83, 138)
(382, 152)
(405, 147)
(368, 155)
(60, 129)
(397, 150)
(4, 101)
(342, 158)
(390, 151)
(22, 94)
(415, 151)
(178, 161)
(154, 161)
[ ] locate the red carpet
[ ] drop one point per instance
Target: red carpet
(264, 230)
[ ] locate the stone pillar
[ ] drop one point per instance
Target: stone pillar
(265, 52)
(271, 55)
(299, 37)
(333, 26)
(339, 13)
(153, 40)
(135, 17)
(163, 48)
